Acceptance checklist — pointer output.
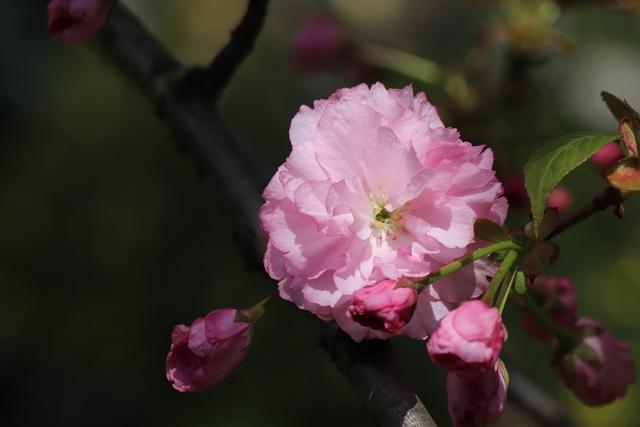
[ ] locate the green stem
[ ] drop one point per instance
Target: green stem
(497, 280)
(564, 335)
(457, 265)
(505, 290)
(254, 313)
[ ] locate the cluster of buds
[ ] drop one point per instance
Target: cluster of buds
(468, 343)
(589, 360)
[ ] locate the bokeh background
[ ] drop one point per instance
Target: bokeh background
(108, 238)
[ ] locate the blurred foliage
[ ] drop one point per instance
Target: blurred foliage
(108, 238)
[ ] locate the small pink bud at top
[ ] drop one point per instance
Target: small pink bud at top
(515, 191)
(477, 401)
(75, 21)
(560, 198)
(469, 339)
(599, 369)
(383, 306)
(607, 155)
(319, 43)
(557, 297)
(203, 354)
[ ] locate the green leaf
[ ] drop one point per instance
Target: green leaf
(546, 167)
(489, 231)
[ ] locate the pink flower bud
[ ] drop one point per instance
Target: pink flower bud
(606, 155)
(206, 352)
(477, 401)
(599, 369)
(383, 306)
(321, 42)
(557, 297)
(515, 191)
(469, 339)
(560, 198)
(75, 21)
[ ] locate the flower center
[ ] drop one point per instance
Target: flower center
(386, 223)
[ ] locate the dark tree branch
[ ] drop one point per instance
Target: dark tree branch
(186, 109)
(608, 198)
(371, 369)
(147, 62)
(198, 131)
(243, 37)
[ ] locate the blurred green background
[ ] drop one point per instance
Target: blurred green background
(108, 238)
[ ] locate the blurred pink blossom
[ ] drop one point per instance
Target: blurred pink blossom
(600, 368)
(206, 352)
(477, 401)
(560, 198)
(383, 306)
(75, 21)
(469, 339)
(375, 188)
(321, 42)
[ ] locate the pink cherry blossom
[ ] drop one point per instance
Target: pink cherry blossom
(383, 306)
(477, 401)
(469, 339)
(206, 352)
(319, 43)
(377, 188)
(75, 21)
(557, 297)
(600, 368)
(606, 155)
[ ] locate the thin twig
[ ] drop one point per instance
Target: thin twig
(218, 156)
(243, 37)
(610, 197)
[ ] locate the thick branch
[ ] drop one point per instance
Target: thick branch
(145, 60)
(370, 368)
(185, 107)
(608, 198)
